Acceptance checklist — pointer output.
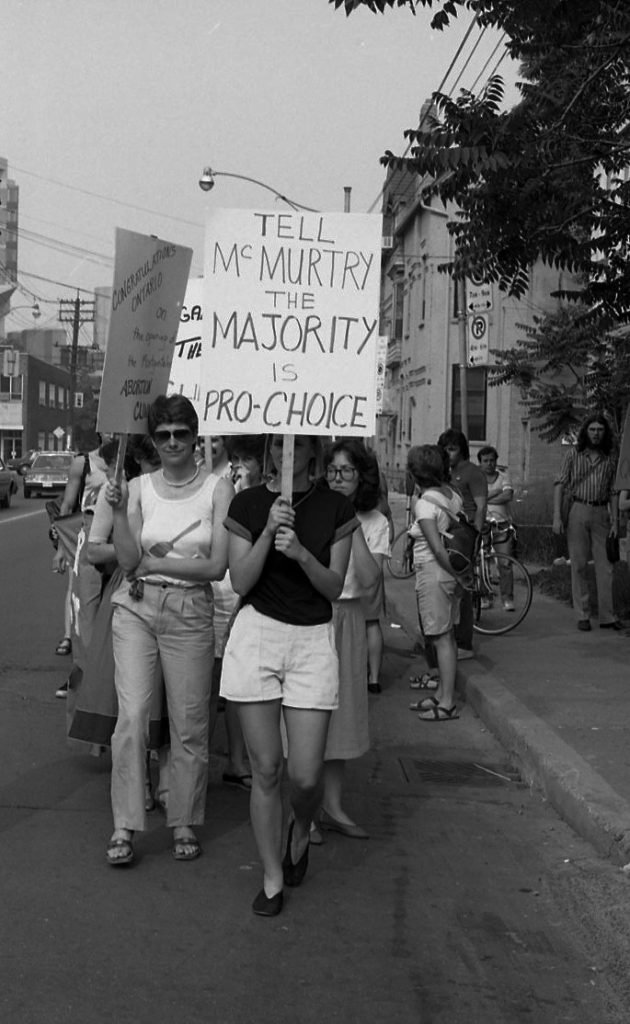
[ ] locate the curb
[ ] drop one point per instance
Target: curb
(579, 794)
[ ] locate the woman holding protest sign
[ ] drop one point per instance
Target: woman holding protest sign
(170, 540)
(288, 560)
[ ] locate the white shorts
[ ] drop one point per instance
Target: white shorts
(265, 659)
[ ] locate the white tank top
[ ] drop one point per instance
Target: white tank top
(178, 527)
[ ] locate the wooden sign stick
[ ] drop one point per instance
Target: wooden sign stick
(286, 483)
(207, 450)
(120, 457)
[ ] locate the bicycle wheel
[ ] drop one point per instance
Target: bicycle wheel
(503, 597)
(399, 562)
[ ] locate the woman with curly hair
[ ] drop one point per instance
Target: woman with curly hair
(352, 471)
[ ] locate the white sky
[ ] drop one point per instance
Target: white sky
(131, 98)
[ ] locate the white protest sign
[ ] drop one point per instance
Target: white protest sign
(150, 278)
(186, 365)
(291, 310)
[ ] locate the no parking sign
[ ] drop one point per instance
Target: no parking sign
(478, 340)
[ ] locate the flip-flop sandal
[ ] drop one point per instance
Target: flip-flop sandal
(426, 704)
(439, 714)
(125, 857)
(186, 848)
(240, 781)
(424, 682)
(64, 646)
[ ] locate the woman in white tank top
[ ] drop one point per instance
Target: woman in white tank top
(171, 542)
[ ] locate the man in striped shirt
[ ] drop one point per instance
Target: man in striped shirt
(588, 475)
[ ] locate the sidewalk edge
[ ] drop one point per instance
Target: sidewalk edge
(577, 792)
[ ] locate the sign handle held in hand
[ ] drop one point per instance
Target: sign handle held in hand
(120, 457)
(288, 448)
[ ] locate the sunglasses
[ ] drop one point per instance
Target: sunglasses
(178, 434)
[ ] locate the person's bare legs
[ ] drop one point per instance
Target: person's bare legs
(260, 723)
(307, 730)
(446, 650)
(374, 635)
(236, 764)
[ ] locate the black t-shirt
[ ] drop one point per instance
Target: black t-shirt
(284, 591)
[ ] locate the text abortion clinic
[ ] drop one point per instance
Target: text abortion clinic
(285, 275)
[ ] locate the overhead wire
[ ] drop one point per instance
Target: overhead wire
(108, 199)
(440, 87)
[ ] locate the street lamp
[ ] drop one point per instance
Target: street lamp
(206, 184)
(35, 310)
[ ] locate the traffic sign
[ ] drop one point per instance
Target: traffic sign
(478, 340)
(59, 432)
(478, 295)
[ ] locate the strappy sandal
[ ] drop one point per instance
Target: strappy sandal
(424, 682)
(425, 704)
(64, 646)
(126, 855)
(439, 714)
(186, 848)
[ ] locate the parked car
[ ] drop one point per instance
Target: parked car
(48, 473)
(23, 462)
(8, 484)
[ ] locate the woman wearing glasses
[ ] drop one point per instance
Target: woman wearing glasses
(288, 562)
(353, 471)
(170, 541)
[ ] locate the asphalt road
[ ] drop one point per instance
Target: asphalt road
(471, 902)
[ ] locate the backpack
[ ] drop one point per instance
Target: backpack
(461, 541)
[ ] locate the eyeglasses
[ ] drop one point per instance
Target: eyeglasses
(346, 473)
(178, 434)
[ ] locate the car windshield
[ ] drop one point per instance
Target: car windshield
(52, 462)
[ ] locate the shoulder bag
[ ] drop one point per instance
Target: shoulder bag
(461, 541)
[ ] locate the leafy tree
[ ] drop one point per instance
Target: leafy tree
(566, 365)
(546, 179)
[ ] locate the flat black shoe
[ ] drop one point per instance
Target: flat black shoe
(293, 874)
(611, 625)
(374, 687)
(584, 625)
(267, 906)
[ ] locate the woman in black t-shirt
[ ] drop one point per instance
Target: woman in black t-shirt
(288, 563)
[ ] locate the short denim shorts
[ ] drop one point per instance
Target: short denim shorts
(265, 659)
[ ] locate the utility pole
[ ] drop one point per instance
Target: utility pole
(462, 319)
(76, 312)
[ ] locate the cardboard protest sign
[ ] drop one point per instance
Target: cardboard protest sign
(186, 366)
(622, 483)
(150, 278)
(291, 310)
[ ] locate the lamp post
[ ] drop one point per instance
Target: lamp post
(206, 184)
(34, 308)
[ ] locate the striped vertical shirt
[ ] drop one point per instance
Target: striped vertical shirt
(588, 480)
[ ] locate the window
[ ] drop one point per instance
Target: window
(42, 393)
(399, 306)
(476, 386)
(51, 396)
(41, 440)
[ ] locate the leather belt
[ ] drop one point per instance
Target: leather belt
(580, 501)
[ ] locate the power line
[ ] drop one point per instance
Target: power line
(107, 199)
(440, 87)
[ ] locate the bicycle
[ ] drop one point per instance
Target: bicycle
(400, 561)
(501, 590)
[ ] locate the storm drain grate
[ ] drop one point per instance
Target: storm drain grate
(455, 773)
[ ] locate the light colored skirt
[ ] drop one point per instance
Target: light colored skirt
(348, 734)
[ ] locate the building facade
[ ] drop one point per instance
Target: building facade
(34, 404)
(9, 203)
(434, 326)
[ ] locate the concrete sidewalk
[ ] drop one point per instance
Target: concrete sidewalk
(559, 702)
